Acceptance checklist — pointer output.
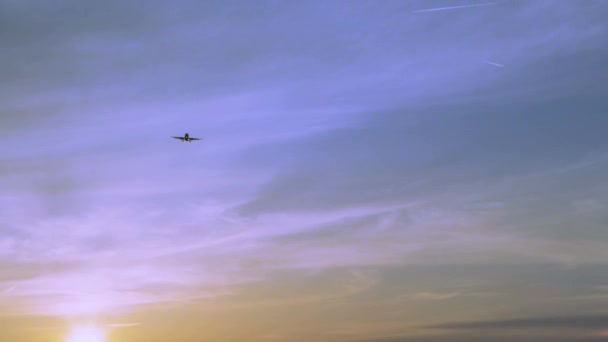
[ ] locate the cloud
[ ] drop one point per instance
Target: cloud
(594, 321)
(477, 338)
(432, 295)
(575, 328)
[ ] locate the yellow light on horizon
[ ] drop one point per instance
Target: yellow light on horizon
(86, 333)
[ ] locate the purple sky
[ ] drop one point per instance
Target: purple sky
(369, 170)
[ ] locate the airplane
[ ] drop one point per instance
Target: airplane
(186, 137)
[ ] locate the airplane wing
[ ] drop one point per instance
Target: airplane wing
(195, 138)
(182, 138)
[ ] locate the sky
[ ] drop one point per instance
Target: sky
(370, 171)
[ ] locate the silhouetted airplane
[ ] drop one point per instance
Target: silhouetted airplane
(186, 137)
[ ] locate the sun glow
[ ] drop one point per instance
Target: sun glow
(86, 333)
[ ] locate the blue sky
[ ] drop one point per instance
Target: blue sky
(377, 171)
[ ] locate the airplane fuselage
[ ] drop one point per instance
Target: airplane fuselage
(186, 138)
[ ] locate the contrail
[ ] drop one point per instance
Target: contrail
(8, 290)
(455, 7)
(123, 325)
(495, 64)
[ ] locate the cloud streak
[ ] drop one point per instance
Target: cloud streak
(597, 321)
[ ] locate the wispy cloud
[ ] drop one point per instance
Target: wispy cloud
(595, 321)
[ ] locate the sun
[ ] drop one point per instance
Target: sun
(86, 333)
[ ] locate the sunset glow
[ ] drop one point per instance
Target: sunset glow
(86, 333)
